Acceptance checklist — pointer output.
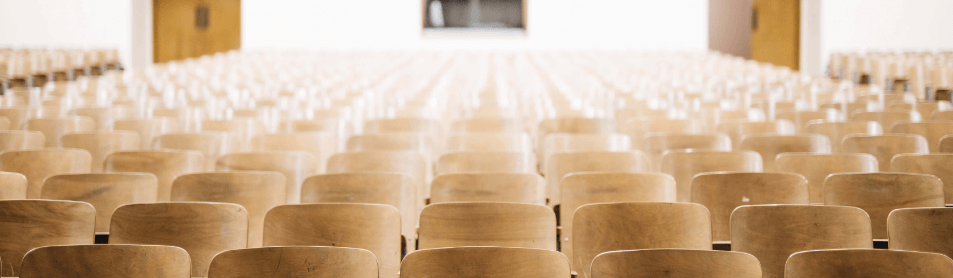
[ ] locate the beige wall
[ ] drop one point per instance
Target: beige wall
(729, 27)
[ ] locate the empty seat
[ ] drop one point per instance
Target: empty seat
(737, 130)
(887, 119)
(880, 193)
(18, 116)
(29, 224)
(488, 187)
(884, 147)
(417, 125)
(574, 125)
(800, 119)
(107, 261)
(655, 144)
(722, 192)
(816, 168)
(53, 128)
(939, 165)
(501, 162)
(39, 164)
(494, 125)
(408, 163)
(770, 146)
(99, 145)
(921, 229)
(487, 224)
(21, 140)
(418, 142)
(294, 261)
(105, 192)
(294, 165)
(926, 109)
(489, 142)
(836, 131)
(473, 262)
(639, 128)
(212, 145)
(931, 131)
(12, 186)
(847, 263)
(242, 129)
(565, 163)
(683, 165)
(166, 165)
(147, 129)
(557, 143)
(680, 263)
(320, 145)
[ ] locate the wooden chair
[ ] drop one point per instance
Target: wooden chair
(470, 162)
(99, 145)
(408, 163)
(18, 116)
(737, 130)
(53, 128)
(836, 131)
(565, 163)
(21, 140)
(212, 145)
(770, 146)
(421, 125)
(294, 261)
(685, 164)
(319, 145)
(880, 193)
(103, 117)
(38, 164)
(487, 224)
(489, 142)
(574, 125)
(107, 261)
(639, 128)
(773, 232)
(257, 192)
(488, 187)
(419, 142)
(147, 129)
(888, 118)
(816, 168)
(941, 116)
(857, 263)
(921, 229)
(926, 109)
(884, 147)
(603, 227)
(494, 125)
(105, 192)
(372, 227)
(722, 192)
(28, 224)
(242, 129)
(800, 119)
(166, 165)
(939, 165)
(202, 229)
(474, 262)
(655, 144)
(294, 165)
(931, 131)
(681, 263)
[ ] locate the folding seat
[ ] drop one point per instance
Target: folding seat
(527, 188)
(372, 227)
(472, 262)
(555, 143)
(294, 261)
(921, 229)
(939, 165)
(18, 116)
(185, 118)
(5, 123)
(487, 125)
(623, 116)
(574, 125)
(681, 263)
(489, 142)
(565, 163)
(857, 263)
(105, 192)
(770, 146)
(53, 128)
(166, 165)
(773, 232)
(408, 163)
(243, 129)
(885, 147)
(603, 227)
(28, 224)
(487, 224)
(926, 109)
(107, 261)
(816, 168)
(319, 145)
(683, 165)
(737, 130)
(836, 131)
(212, 145)
(880, 193)
(337, 127)
(103, 117)
(931, 131)
(38, 164)
(637, 129)
(722, 192)
(147, 129)
(418, 142)
(21, 140)
(257, 192)
(99, 145)
(294, 165)
(474, 162)
(800, 119)
(202, 229)
(13, 186)
(656, 144)
(888, 118)
(941, 116)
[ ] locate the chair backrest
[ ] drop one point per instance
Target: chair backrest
(107, 261)
(489, 142)
(604, 227)
(737, 130)
(488, 187)
(21, 140)
(409, 163)
(921, 229)
(887, 119)
(166, 165)
(769, 146)
(202, 229)
(294, 165)
(242, 129)
(473, 262)
(99, 145)
(926, 109)
(722, 192)
(939, 165)
(29, 224)
(147, 129)
(418, 142)
(656, 144)
(257, 192)
(816, 168)
(773, 232)
(880, 193)
(321, 145)
(373, 227)
(574, 125)
(212, 145)
(836, 131)
(12, 186)
(884, 147)
(678, 263)
(683, 165)
(495, 125)
(859, 263)
(487, 224)
(931, 131)
(555, 143)
(422, 125)
(501, 162)
(18, 116)
(53, 128)
(294, 261)
(637, 129)
(565, 163)
(802, 118)
(105, 192)
(38, 164)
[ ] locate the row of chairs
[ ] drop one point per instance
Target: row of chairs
(922, 73)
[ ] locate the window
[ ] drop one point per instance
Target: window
(475, 14)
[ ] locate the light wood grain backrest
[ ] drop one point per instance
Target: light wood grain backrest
(769, 146)
(501, 125)
(800, 119)
(419, 142)
(885, 147)
(29, 224)
(816, 168)
(257, 192)
(836, 131)
(21, 140)
(474, 262)
(683, 165)
(243, 129)
(604, 227)
(408, 163)
(487, 224)
(773, 232)
(574, 125)
(566, 163)
(926, 109)
(555, 143)
(13, 186)
(294, 165)
(107, 261)
(675, 263)
(921, 229)
(318, 144)
(722, 192)
(939, 165)
(212, 145)
(470, 162)
(488, 187)
(655, 144)
(489, 142)
(931, 131)
(202, 229)
(373, 227)
(147, 129)
(941, 116)
(103, 117)
(294, 261)
(105, 192)
(53, 128)
(854, 263)
(880, 193)
(737, 130)
(887, 119)
(18, 116)
(38, 164)
(166, 165)
(637, 129)
(422, 125)
(99, 145)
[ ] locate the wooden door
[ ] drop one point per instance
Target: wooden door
(192, 28)
(775, 32)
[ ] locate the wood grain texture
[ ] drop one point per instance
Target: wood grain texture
(603, 227)
(29, 224)
(321, 145)
(574, 125)
(800, 119)
(107, 261)
(241, 128)
(884, 147)
(937, 164)
(655, 144)
(887, 119)
(836, 131)
(722, 192)
(54, 128)
(880, 193)
(847, 263)
(773, 232)
(738, 130)
(295, 261)
(926, 109)
(474, 262)
(166, 165)
(921, 229)
(202, 229)
(816, 168)
(212, 145)
(487, 224)
(408, 163)
(931, 131)
(105, 192)
(487, 125)
(566, 163)
(683, 165)
(528, 188)
(482, 161)
(418, 142)
(175, 36)
(18, 116)
(13, 186)
(294, 165)
(99, 145)
(675, 263)
(405, 124)
(637, 129)
(147, 129)
(38, 164)
(11, 140)
(769, 146)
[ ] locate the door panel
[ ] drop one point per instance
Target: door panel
(775, 32)
(192, 28)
